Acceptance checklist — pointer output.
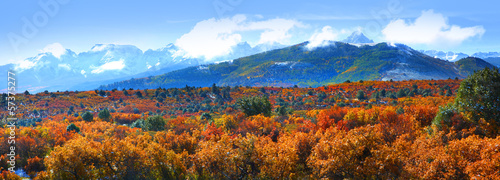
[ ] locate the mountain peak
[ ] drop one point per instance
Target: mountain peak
(357, 37)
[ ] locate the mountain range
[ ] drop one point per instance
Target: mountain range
(107, 63)
(491, 57)
(299, 65)
(449, 56)
(355, 58)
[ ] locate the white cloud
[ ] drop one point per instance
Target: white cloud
(114, 65)
(275, 30)
(64, 66)
(215, 37)
(55, 48)
(429, 29)
(83, 73)
(322, 38)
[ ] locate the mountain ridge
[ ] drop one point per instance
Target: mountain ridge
(490, 57)
(296, 65)
(67, 70)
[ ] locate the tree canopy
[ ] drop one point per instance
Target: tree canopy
(479, 96)
(255, 105)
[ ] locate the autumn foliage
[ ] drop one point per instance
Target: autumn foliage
(331, 132)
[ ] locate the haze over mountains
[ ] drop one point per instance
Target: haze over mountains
(356, 58)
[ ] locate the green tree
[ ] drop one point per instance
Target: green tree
(255, 105)
(449, 92)
(444, 116)
(162, 95)
(361, 95)
(138, 94)
(479, 96)
(282, 110)
(401, 93)
(382, 93)
(137, 124)
(215, 89)
(154, 123)
(87, 116)
(73, 127)
(376, 95)
(400, 110)
(102, 93)
(262, 90)
(104, 115)
(206, 116)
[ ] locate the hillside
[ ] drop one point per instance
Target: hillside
(493, 60)
(470, 64)
(298, 65)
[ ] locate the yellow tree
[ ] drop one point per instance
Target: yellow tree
(75, 160)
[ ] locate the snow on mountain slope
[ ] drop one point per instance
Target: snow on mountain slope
(449, 56)
(357, 38)
(302, 66)
(484, 55)
(60, 69)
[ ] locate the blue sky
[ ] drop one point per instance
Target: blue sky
(210, 27)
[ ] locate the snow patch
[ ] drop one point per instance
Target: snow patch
(362, 44)
(39, 57)
(115, 65)
(99, 47)
(202, 67)
(286, 63)
(25, 64)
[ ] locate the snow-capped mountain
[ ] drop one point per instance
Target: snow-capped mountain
(357, 38)
(491, 57)
(484, 55)
(303, 66)
(449, 56)
(67, 70)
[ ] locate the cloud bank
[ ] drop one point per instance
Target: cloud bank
(56, 49)
(429, 29)
(215, 37)
(322, 38)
